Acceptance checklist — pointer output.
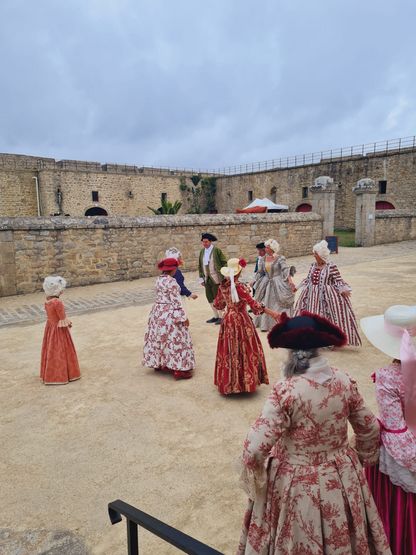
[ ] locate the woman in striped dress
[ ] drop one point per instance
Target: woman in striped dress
(325, 293)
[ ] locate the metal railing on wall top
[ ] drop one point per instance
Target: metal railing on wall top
(12, 161)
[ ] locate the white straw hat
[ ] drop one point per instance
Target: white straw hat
(233, 268)
(385, 330)
(233, 265)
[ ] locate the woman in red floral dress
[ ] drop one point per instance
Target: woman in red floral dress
(167, 342)
(59, 362)
(240, 365)
(307, 491)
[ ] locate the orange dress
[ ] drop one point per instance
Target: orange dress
(59, 362)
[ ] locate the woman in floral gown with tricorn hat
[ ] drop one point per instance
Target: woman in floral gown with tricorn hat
(306, 486)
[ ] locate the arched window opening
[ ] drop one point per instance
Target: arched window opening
(384, 205)
(304, 207)
(96, 211)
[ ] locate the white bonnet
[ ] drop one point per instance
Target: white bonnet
(173, 252)
(273, 244)
(322, 250)
(53, 285)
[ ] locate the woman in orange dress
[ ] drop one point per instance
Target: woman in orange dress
(59, 362)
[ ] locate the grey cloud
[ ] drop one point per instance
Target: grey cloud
(203, 84)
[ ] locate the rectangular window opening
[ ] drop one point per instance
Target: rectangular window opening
(382, 187)
(250, 195)
(94, 196)
(305, 192)
(164, 197)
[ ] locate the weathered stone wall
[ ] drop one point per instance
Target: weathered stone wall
(392, 226)
(122, 190)
(398, 169)
(118, 193)
(129, 190)
(95, 250)
(17, 193)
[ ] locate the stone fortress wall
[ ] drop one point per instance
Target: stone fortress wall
(121, 190)
(129, 190)
(286, 186)
(101, 249)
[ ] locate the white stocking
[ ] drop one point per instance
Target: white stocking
(215, 311)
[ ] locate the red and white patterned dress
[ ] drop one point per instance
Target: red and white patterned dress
(321, 294)
(307, 489)
(240, 365)
(167, 342)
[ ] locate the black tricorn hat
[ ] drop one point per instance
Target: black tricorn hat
(208, 236)
(307, 331)
(260, 245)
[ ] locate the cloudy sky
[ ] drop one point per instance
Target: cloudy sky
(203, 83)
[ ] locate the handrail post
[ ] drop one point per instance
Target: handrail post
(132, 538)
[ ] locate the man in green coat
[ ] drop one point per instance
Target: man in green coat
(211, 260)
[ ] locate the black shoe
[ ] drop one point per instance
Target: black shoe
(212, 320)
(218, 321)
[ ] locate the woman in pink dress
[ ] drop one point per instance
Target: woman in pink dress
(59, 362)
(324, 292)
(240, 366)
(307, 490)
(167, 342)
(393, 480)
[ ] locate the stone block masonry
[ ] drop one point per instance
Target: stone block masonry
(97, 250)
(287, 186)
(394, 226)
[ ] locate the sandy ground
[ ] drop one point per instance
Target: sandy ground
(124, 432)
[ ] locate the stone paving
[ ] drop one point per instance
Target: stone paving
(32, 313)
(80, 300)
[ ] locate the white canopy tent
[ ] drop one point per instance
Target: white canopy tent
(269, 204)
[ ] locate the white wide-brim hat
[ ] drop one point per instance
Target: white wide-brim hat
(233, 265)
(385, 330)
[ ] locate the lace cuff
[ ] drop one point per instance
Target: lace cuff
(65, 323)
(252, 481)
(344, 288)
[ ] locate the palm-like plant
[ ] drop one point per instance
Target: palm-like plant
(167, 208)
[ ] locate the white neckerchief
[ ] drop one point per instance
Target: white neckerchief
(319, 370)
(207, 254)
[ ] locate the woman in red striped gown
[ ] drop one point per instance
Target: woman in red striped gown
(325, 293)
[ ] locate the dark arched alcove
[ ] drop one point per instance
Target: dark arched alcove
(96, 211)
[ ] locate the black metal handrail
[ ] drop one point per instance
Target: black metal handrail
(135, 518)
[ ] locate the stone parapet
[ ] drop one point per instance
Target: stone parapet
(392, 226)
(101, 249)
(201, 220)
